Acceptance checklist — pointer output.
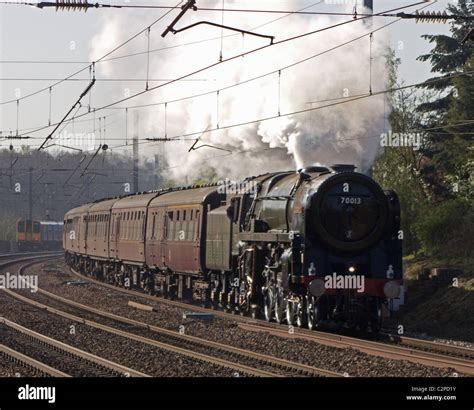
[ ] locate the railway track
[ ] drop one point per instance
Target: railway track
(47, 350)
(371, 347)
(32, 366)
(57, 358)
(10, 258)
(243, 361)
(396, 347)
(15, 255)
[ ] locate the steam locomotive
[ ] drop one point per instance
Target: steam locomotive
(314, 247)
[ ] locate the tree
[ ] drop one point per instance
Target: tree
(448, 56)
(451, 94)
(399, 168)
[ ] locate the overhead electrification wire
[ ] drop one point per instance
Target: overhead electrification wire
(50, 105)
(78, 103)
(245, 81)
(85, 5)
(105, 79)
(27, 130)
(157, 49)
(93, 63)
(355, 98)
(263, 75)
(148, 57)
(222, 31)
(200, 70)
(364, 96)
(268, 149)
(103, 60)
(240, 55)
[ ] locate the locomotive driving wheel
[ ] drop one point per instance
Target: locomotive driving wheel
(301, 314)
(376, 318)
(312, 312)
(290, 312)
(280, 306)
(317, 310)
(269, 303)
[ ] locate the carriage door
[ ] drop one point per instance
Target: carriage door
(114, 237)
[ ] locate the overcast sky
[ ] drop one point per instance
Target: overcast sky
(67, 38)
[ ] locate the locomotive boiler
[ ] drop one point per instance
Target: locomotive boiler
(313, 247)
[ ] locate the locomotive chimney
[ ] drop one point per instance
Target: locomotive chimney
(343, 168)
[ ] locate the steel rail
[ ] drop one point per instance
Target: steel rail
(71, 350)
(436, 358)
(374, 348)
(260, 358)
(194, 355)
(29, 362)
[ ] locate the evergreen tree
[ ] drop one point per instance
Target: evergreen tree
(448, 56)
(447, 150)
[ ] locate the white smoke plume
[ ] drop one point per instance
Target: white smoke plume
(346, 133)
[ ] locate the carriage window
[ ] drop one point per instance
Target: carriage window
(169, 225)
(153, 227)
(21, 226)
(196, 225)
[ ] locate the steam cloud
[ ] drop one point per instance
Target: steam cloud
(346, 133)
